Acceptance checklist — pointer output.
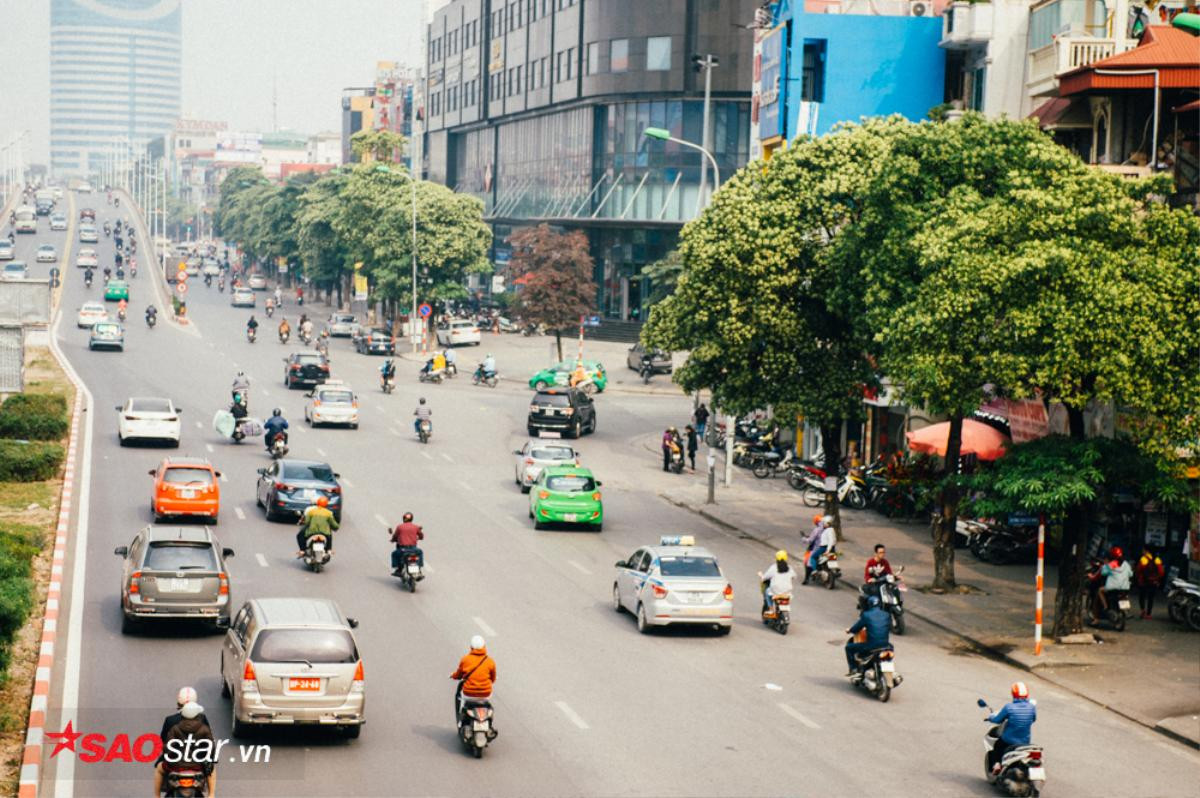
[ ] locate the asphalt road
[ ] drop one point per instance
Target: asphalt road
(585, 705)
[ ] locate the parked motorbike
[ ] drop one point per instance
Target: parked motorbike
(850, 491)
(777, 614)
(890, 589)
(827, 570)
(315, 554)
(187, 783)
(425, 430)
(1183, 603)
(875, 672)
(1022, 771)
(489, 378)
(1000, 544)
(772, 463)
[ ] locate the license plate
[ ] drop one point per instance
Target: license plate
(1037, 774)
(569, 517)
(549, 434)
(304, 685)
(887, 667)
(480, 725)
(308, 494)
(181, 586)
(414, 569)
(702, 611)
(1123, 604)
(318, 548)
(186, 493)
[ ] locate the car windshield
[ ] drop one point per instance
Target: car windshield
(107, 328)
(178, 475)
(150, 406)
(316, 471)
(462, 325)
(45, 248)
(306, 358)
(342, 319)
(553, 453)
(570, 483)
(304, 645)
(688, 566)
(553, 399)
(170, 555)
(380, 335)
(15, 266)
(336, 397)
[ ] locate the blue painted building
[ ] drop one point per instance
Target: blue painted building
(818, 69)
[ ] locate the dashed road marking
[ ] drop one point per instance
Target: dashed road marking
(209, 446)
(239, 513)
(487, 630)
(449, 459)
(426, 455)
(788, 709)
(261, 560)
(321, 452)
(347, 483)
(571, 715)
(462, 483)
(578, 567)
(223, 477)
(266, 392)
(199, 425)
(396, 432)
(382, 520)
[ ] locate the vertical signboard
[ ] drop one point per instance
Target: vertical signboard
(771, 92)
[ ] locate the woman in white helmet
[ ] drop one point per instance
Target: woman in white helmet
(476, 673)
(179, 739)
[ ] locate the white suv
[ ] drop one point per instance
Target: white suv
(459, 332)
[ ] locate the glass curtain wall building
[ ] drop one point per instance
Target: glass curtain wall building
(114, 77)
(538, 107)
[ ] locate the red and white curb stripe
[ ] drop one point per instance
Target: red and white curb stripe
(31, 761)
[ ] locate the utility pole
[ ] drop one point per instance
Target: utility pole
(705, 63)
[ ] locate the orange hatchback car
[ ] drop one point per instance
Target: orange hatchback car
(186, 486)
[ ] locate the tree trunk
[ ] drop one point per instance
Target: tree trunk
(1072, 563)
(558, 341)
(945, 526)
(831, 445)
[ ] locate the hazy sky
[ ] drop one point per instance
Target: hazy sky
(232, 49)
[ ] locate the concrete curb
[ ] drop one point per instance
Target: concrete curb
(161, 288)
(1036, 668)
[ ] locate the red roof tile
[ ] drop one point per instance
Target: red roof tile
(1175, 53)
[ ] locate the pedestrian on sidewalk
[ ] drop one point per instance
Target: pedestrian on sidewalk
(691, 444)
(668, 438)
(1149, 577)
(701, 419)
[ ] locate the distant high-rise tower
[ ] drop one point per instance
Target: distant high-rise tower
(114, 74)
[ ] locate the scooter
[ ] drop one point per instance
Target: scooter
(251, 334)
(488, 378)
(891, 591)
(1118, 602)
(1183, 603)
(151, 320)
(387, 384)
(827, 570)
(777, 614)
(221, 286)
(270, 311)
(87, 281)
(475, 727)
(676, 463)
(771, 463)
(1022, 771)
(208, 281)
(132, 270)
(278, 448)
(185, 784)
(875, 672)
(434, 376)
(284, 336)
(425, 430)
(851, 491)
(121, 314)
(315, 554)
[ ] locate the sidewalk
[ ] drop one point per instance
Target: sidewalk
(1149, 673)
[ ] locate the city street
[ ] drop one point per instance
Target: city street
(585, 705)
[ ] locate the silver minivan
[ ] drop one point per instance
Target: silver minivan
(292, 661)
(174, 573)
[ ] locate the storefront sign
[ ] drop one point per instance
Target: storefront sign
(771, 102)
(1156, 529)
(1027, 418)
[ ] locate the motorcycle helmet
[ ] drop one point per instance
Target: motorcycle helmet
(191, 710)
(781, 555)
(1019, 690)
(817, 518)
(277, 412)
(1116, 553)
(185, 695)
(408, 517)
(322, 501)
(422, 400)
(872, 601)
(477, 642)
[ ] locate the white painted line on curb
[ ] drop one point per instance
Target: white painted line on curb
(571, 715)
(261, 560)
(238, 512)
(209, 447)
(796, 714)
(449, 459)
(487, 630)
(578, 567)
(426, 455)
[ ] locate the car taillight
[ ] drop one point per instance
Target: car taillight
(542, 494)
(358, 684)
(481, 713)
(336, 489)
(249, 679)
(729, 592)
(886, 655)
(134, 582)
(528, 461)
(281, 486)
(659, 591)
(295, 367)
(533, 408)
(596, 496)
(224, 589)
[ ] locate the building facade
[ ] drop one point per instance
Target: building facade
(115, 78)
(538, 107)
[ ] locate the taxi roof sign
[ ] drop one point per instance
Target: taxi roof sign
(677, 540)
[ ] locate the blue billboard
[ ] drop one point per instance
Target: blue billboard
(771, 92)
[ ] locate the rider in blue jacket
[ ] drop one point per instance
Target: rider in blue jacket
(274, 425)
(878, 624)
(1020, 714)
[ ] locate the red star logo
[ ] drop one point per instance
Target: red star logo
(65, 739)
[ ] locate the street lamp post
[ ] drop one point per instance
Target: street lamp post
(705, 63)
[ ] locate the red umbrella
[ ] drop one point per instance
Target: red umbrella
(981, 440)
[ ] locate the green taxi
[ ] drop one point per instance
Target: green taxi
(566, 495)
(116, 290)
(560, 374)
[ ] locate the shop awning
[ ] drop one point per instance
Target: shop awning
(983, 441)
(1060, 113)
(1173, 52)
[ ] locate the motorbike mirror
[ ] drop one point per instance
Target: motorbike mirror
(227, 552)
(151, 472)
(982, 703)
(517, 452)
(218, 473)
(121, 551)
(900, 570)
(621, 564)
(337, 475)
(353, 622)
(118, 408)
(262, 472)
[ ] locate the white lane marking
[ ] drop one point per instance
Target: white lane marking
(347, 483)
(223, 477)
(396, 432)
(266, 392)
(321, 452)
(463, 484)
(382, 520)
(238, 512)
(571, 715)
(487, 630)
(449, 459)
(261, 560)
(426, 455)
(209, 447)
(578, 567)
(199, 425)
(771, 686)
(796, 714)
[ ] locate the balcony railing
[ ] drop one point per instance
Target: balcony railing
(1065, 53)
(966, 24)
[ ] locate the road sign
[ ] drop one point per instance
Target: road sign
(181, 276)
(424, 310)
(181, 287)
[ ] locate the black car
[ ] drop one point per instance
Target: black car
(567, 411)
(305, 368)
(286, 488)
(374, 342)
(660, 361)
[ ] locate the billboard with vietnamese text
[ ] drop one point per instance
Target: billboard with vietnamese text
(772, 90)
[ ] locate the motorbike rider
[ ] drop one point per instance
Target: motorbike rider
(876, 569)
(151, 313)
(107, 274)
(252, 326)
(238, 408)
(285, 329)
(1021, 713)
(777, 579)
(451, 359)
(879, 627)
(122, 307)
(423, 413)
(387, 371)
(191, 726)
(317, 520)
(406, 535)
(488, 365)
(270, 305)
(824, 543)
(1117, 575)
(579, 375)
(306, 328)
(278, 297)
(275, 425)
(87, 275)
(435, 364)
(476, 674)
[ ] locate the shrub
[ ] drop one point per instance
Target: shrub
(34, 417)
(16, 601)
(29, 462)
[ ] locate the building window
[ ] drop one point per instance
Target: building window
(531, 11)
(530, 74)
(559, 59)
(570, 63)
(812, 75)
(658, 53)
(618, 60)
(518, 87)
(978, 84)
(593, 58)
(542, 71)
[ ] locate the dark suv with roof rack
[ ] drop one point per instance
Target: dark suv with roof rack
(561, 412)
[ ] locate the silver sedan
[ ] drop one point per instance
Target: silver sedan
(675, 582)
(537, 454)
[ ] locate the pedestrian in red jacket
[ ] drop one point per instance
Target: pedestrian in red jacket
(1148, 575)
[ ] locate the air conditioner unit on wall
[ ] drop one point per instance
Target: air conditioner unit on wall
(920, 8)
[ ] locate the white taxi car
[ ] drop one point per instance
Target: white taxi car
(675, 582)
(149, 419)
(536, 454)
(87, 258)
(241, 298)
(332, 402)
(46, 253)
(257, 282)
(90, 313)
(458, 332)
